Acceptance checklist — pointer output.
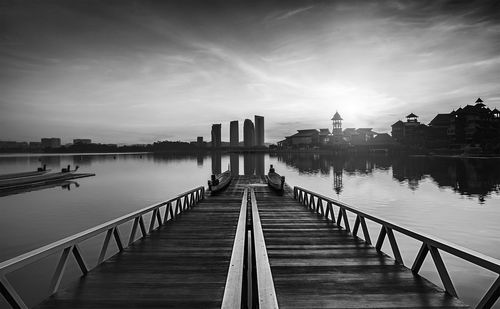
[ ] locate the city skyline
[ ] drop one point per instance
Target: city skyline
(146, 71)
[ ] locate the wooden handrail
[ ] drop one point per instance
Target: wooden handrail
(315, 202)
(234, 281)
(265, 283)
(70, 244)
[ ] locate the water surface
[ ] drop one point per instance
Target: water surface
(455, 199)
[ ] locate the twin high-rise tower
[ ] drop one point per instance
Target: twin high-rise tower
(253, 136)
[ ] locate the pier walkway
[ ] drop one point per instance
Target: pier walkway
(249, 247)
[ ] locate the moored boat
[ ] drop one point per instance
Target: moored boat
(39, 171)
(218, 182)
(275, 180)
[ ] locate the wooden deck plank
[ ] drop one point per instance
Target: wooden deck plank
(184, 264)
(314, 263)
(317, 265)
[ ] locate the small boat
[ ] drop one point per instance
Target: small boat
(38, 180)
(218, 182)
(275, 181)
(39, 171)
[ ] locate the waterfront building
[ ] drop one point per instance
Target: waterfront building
(337, 124)
(234, 134)
(259, 131)
(82, 141)
(474, 123)
(303, 138)
(51, 142)
(324, 136)
(199, 141)
(248, 133)
(216, 135)
(408, 131)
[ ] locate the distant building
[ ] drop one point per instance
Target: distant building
(216, 135)
(324, 136)
(51, 142)
(248, 133)
(410, 131)
(199, 141)
(13, 146)
(35, 146)
(259, 131)
(474, 123)
(234, 134)
(337, 124)
(303, 138)
(82, 141)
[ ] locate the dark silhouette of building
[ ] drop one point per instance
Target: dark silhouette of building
(234, 134)
(52, 142)
(474, 124)
(337, 124)
(248, 133)
(199, 141)
(259, 131)
(216, 135)
(82, 141)
(324, 136)
(409, 132)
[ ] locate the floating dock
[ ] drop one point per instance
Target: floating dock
(249, 248)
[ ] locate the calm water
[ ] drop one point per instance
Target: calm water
(455, 199)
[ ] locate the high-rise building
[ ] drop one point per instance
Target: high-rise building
(216, 135)
(234, 134)
(248, 133)
(259, 131)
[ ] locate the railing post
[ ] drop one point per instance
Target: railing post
(366, 234)
(116, 234)
(394, 245)
(381, 238)
(419, 260)
(134, 229)
(491, 296)
(79, 259)
(142, 226)
(153, 219)
(10, 294)
(443, 273)
(104, 248)
(56, 278)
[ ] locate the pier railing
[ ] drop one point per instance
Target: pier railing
(70, 245)
(324, 206)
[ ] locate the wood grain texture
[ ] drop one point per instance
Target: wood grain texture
(317, 265)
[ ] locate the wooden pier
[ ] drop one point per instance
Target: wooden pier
(249, 248)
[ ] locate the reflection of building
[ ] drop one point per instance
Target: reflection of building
(216, 163)
(234, 160)
(216, 135)
(259, 131)
(248, 133)
(82, 141)
(249, 164)
(233, 134)
(259, 164)
(52, 142)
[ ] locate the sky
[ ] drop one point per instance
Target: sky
(142, 71)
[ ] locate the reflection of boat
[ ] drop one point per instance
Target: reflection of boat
(220, 181)
(275, 181)
(41, 180)
(40, 171)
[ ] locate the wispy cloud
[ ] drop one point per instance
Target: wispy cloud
(293, 12)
